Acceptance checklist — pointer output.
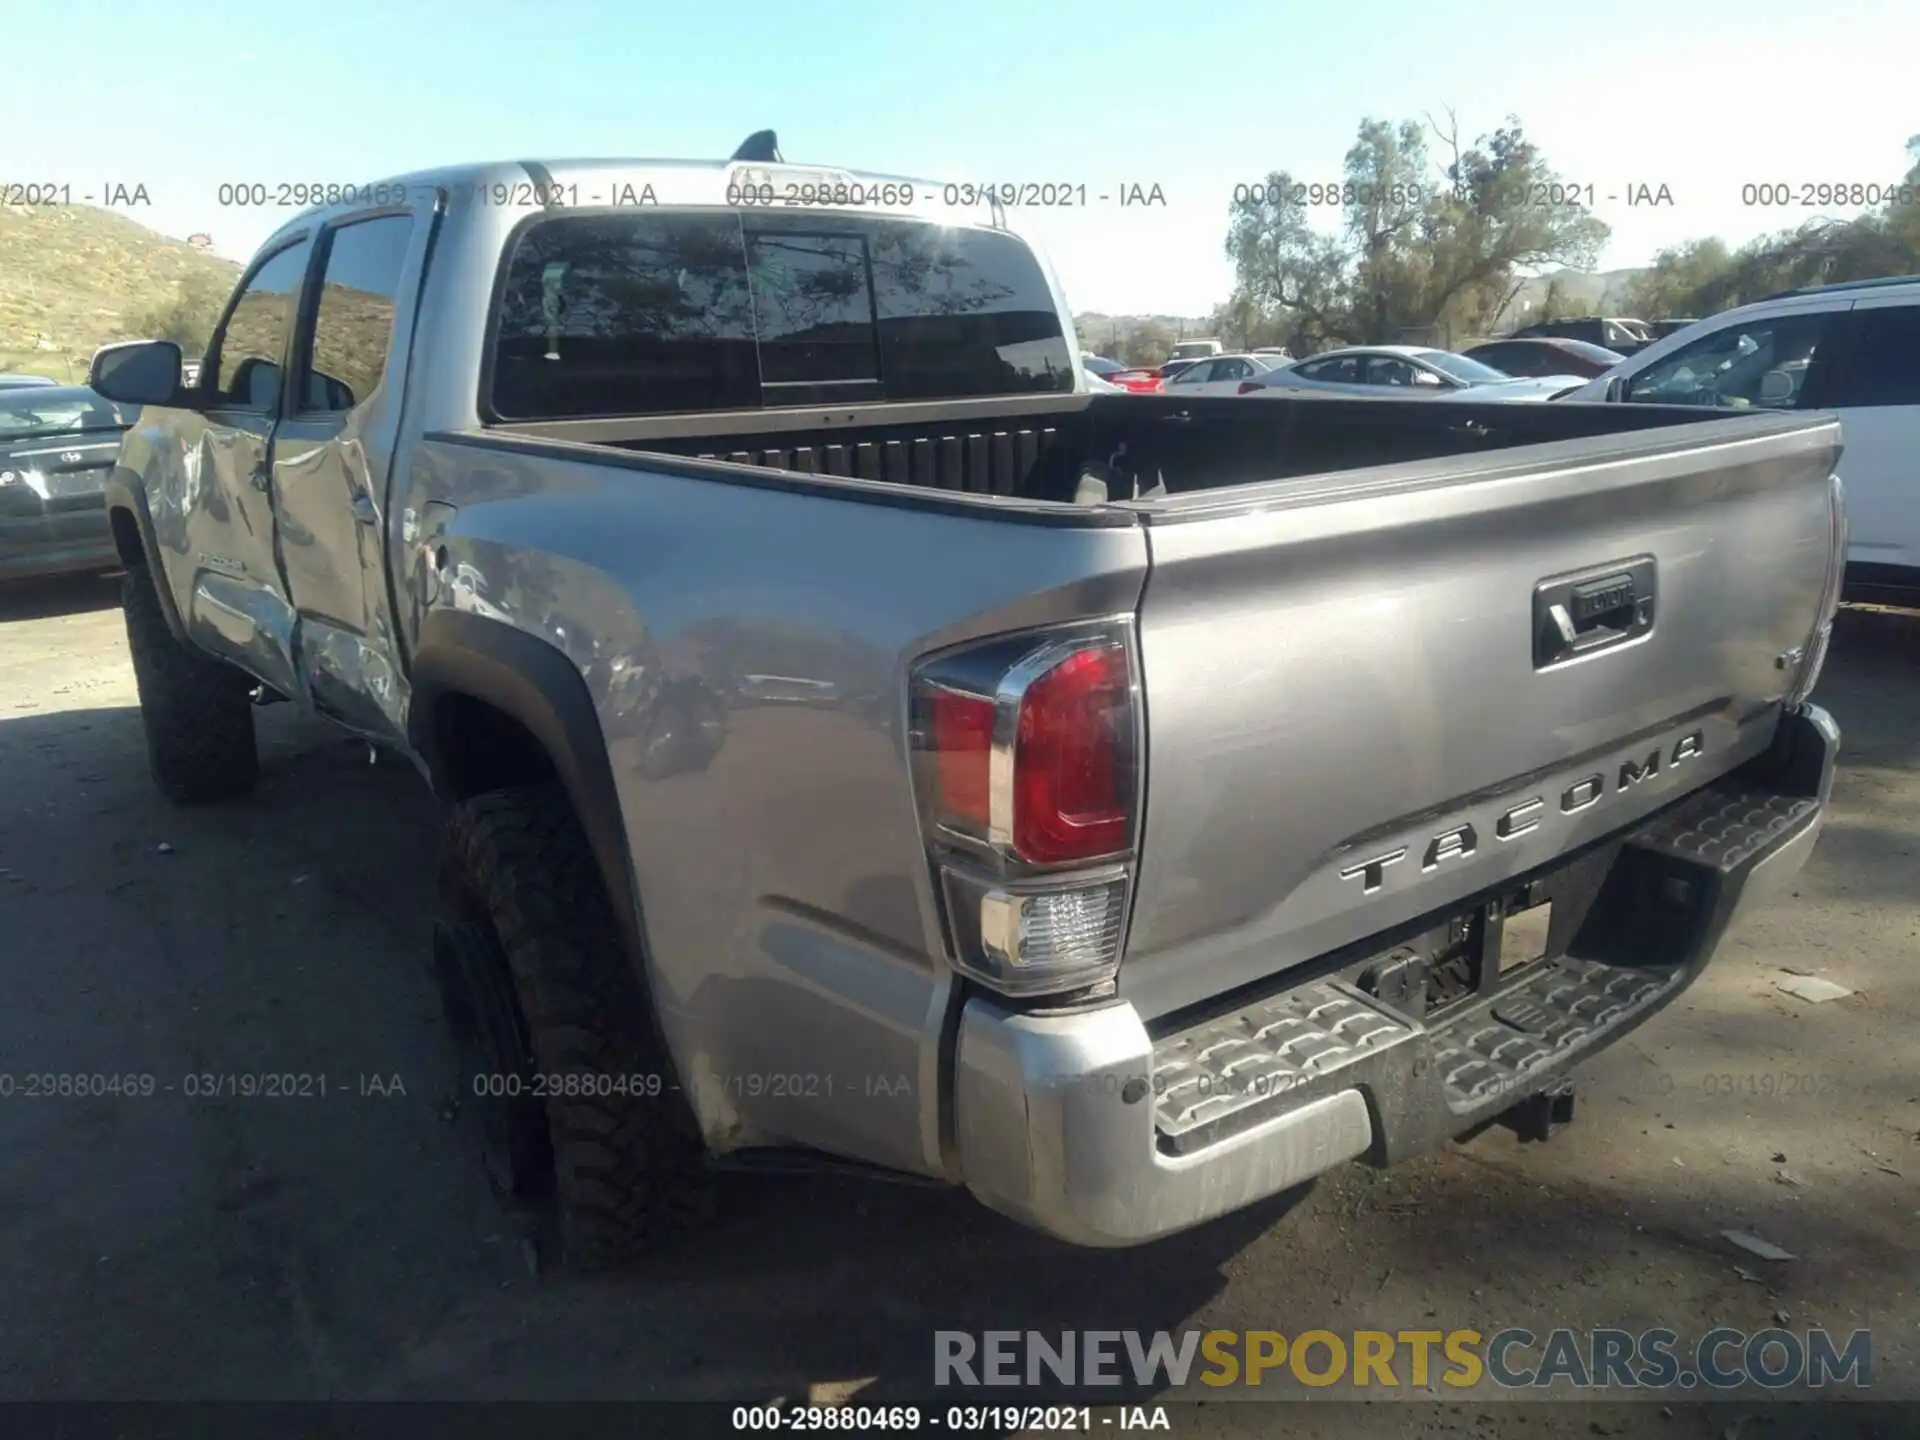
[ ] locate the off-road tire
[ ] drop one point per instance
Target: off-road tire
(198, 712)
(629, 1169)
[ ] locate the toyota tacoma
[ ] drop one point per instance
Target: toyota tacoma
(863, 745)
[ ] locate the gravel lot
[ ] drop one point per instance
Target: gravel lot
(167, 1247)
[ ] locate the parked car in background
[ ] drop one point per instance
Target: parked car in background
(1100, 385)
(1174, 367)
(1406, 370)
(1220, 375)
(1142, 380)
(1196, 349)
(18, 382)
(57, 445)
(1618, 334)
(1660, 329)
(190, 373)
(1852, 348)
(1545, 355)
(1280, 350)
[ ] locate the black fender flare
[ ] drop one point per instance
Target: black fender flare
(534, 682)
(126, 491)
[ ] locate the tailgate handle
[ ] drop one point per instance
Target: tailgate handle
(1575, 615)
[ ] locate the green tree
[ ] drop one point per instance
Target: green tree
(1422, 246)
(1702, 276)
(1144, 342)
(1672, 284)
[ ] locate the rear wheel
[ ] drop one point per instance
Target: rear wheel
(198, 712)
(578, 1112)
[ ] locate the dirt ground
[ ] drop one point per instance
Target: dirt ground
(170, 1247)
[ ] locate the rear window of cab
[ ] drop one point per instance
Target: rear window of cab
(603, 315)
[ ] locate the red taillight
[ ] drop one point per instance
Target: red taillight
(1065, 792)
(1070, 786)
(1031, 839)
(962, 728)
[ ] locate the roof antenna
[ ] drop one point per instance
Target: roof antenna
(762, 145)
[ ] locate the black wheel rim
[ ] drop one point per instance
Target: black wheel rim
(497, 1073)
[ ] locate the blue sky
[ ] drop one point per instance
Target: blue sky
(1193, 97)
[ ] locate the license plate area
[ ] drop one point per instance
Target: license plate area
(69, 484)
(1492, 944)
(1524, 935)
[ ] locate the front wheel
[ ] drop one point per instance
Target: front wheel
(198, 712)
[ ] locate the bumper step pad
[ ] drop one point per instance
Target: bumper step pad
(1302, 1038)
(1725, 826)
(1493, 1051)
(1437, 1076)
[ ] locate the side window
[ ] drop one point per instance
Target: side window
(252, 344)
(353, 321)
(1388, 370)
(1884, 368)
(1762, 363)
(1231, 369)
(1193, 374)
(1501, 357)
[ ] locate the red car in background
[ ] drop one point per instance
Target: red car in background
(1540, 355)
(1142, 380)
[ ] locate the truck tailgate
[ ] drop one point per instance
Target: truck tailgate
(1363, 704)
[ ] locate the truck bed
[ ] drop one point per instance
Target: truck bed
(1353, 738)
(1035, 450)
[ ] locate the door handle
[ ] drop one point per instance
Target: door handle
(362, 507)
(1591, 611)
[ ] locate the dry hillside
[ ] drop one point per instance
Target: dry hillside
(74, 278)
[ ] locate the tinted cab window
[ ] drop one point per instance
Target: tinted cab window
(658, 314)
(252, 344)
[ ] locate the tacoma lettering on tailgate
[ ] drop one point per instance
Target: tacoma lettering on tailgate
(1522, 818)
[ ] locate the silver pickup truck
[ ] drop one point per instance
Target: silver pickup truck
(863, 745)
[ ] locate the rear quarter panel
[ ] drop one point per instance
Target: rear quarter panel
(746, 647)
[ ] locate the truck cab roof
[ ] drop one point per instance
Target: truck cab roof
(614, 183)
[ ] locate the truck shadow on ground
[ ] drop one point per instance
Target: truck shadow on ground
(357, 1240)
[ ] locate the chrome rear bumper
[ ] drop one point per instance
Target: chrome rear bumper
(1090, 1128)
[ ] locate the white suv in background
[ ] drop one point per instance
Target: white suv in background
(1852, 348)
